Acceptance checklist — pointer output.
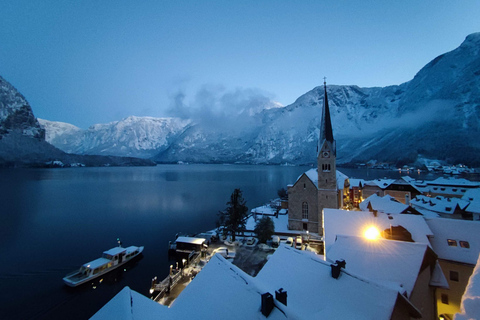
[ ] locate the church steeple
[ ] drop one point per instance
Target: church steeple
(326, 132)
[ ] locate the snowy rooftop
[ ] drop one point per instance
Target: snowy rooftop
(438, 204)
(472, 195)
(381, 183)
(314, 294)
(452, 237)
(386, 204)
(312, 174)
(470, 307)
(354, 223)
(191, 240)
(280, 223)
(267, 210)
(356, 182)
(460, 182)
(397, 263)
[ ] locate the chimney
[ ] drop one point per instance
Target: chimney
(335, 270)
(281, 296)
(267, 304)
(339, 264)
(375, 213)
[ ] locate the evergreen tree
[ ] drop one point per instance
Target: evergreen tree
(264, 229)
(234, 217)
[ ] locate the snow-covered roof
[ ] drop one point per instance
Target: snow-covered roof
(280, 223)
(394, 263)
(356, 182)
(451, 237)
(470, 307)
(438, 204)
(264, 210)
(354, 223)
(472, 195)
(312, 174)
(452, 181)
(314, 294)
(386, 204)
(129, 304)
(381, 183)
(191, 240)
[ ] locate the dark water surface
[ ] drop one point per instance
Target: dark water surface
(54, 220)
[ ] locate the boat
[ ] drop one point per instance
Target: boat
(110, 260)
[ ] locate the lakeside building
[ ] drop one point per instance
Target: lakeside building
(386, 204)
(400, 189)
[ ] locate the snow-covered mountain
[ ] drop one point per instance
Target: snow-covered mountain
(22, 138)
(436, 114)
(133, 137)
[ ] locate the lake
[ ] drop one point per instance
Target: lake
(54, 220)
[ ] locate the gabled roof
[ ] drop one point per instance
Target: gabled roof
(354, 223)
(129, 304)
(459, 182)
(456, 230)
(381, 183)
(312, 175)
(314, 294)
(386, 204)
(356, 182)
(397, 263)
(439, 204)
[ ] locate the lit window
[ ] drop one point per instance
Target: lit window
(304, 210)
(454, 276)
(465, 244)
(452, 243)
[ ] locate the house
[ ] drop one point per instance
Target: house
(410, 267)
(324, 187)
(400, 189)
(386, 204)
(446, 187)
(355, 223)
(356, 192)
(472, 212)
(457, 244)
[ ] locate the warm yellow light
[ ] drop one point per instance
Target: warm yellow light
(372, 233)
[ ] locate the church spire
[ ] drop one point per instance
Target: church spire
(326, 132)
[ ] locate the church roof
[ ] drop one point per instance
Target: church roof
(312, 174)
(326, 132)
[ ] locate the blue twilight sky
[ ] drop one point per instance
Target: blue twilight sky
(86, 62)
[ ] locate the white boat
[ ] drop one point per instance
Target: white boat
(110, 260)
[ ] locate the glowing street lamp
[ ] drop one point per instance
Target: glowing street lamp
(372, 233)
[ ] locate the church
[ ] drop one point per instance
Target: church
(320, 188)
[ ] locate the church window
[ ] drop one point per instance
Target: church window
(326, 167)
(305, 226)
(304, 186)
(305, 210)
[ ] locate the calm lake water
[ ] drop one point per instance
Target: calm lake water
(54, 220)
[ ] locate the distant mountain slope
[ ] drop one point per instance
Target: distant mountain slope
(141, 137)
(22, 139)
(436, 114)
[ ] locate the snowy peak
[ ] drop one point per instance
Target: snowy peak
(133, 136)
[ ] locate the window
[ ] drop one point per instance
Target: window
(444, 298)
(463, 190)
(304, 186)
(305, 227)
(452, 243)
(454, 276)
(443, 189)
(435, 188)
(304, 210)
(326, 167)
(448, 208)
(454, 190)
(465, 244)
